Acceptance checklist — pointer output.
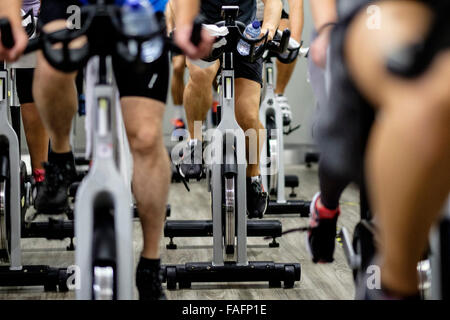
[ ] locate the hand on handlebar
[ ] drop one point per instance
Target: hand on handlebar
(319, 48)
(17, 43)
(271, 32)
(183, 36)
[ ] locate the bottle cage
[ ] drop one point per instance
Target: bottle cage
(257, 46)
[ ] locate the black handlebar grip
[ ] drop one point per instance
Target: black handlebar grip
(6, 34)
(33, 45)
(284, 42)
(196, 36)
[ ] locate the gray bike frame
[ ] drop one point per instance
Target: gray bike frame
(270, 105)
(229, 131)
(7, 132)
(104, 177)
(435, 259)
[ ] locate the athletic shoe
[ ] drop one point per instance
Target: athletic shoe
(37, 180)
(285, 109)
(52, 195)
(191, 166)
(148, 283)
(257, 199)
(178, 128)
(321, 236)
(178, 124)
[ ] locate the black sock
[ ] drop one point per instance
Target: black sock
(149, 264)
(61, 158)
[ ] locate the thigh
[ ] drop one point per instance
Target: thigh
(248, 95)
(403, 23)
(143, 116)
(202, 76)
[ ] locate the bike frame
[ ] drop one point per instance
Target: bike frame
(271, 106)
(9, 137)
(103, 179)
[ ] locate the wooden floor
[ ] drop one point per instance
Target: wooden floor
(333, 281)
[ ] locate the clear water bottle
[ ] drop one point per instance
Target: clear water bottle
(138, 18)
(252, 31)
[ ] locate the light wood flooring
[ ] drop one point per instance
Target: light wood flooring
(333, 281)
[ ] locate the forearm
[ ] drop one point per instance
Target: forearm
(272, 15)
(170, 17)
(323, 12)
(296, 17)
(186, 11)
(11, 9)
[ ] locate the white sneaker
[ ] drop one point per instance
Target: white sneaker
(285, 109)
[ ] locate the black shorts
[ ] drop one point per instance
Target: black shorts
(284, 14)
(152, 84)
(24, 85)
(247, 70)
(344, 123)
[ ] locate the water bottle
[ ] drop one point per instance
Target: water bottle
(252, 31)
(138, 19)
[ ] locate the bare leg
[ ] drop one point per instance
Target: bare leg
(37, 137)
(179, 64)
(284, 71)
(55, 95)
(247, 114)
(198, 95)
(408, 159)
(143, 120)
(56, 100)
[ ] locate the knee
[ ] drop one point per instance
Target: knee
(178, 69)
(48, 78)
(248, 121)
(144, 140)
(201, 78)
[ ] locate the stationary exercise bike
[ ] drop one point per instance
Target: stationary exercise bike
(271, 117)
(227, 171)
(13, 203)
(268, 229)
(15, 188)
(103, 207)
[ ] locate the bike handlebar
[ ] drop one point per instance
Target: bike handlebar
(6, 34)
(105, 37)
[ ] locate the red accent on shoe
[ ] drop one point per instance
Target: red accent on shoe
(178, 123)
(215, 105)
(325, 213)
(39, 175)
